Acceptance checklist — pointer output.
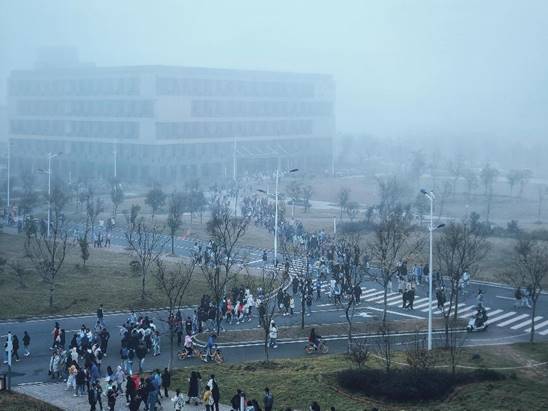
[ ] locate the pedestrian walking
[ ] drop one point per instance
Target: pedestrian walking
(178, 400)
(166, 381)
(268, 400)
(26, 344)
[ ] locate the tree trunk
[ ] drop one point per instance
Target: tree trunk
(51, 297)
(173, 244)
(143, 272)
(171, 346)
(533, 312)
(302, 311)
(385, 304)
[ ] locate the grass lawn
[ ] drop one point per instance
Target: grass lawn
(297, 382)
(11, 401)
(107, 279)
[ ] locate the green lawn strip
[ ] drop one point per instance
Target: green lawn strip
(296, 332)
(11, 401)
(107, 279)
(297, 382)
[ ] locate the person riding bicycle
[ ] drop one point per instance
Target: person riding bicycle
(211, 342)
(189, 345)
(314, 338)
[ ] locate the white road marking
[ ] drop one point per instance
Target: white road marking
(505, 298)
(526, 323)
(537, 326)
(513, 320)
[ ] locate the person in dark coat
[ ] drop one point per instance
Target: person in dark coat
(166, 381)
(193, 387)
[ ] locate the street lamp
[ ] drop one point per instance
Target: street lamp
(293, 170)
(430, 195)
(51, 156)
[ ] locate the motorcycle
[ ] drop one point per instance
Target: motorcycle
(472, 327)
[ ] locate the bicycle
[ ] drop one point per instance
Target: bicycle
(216, 355)
(196, 353)
(322, 348)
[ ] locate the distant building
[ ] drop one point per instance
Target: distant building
(164, 123)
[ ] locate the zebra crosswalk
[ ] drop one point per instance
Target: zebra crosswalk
(512, 320)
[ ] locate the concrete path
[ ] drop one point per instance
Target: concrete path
(55, 394)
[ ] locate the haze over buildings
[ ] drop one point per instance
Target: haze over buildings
(405, 69)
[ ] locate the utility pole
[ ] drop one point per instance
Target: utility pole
(115, 159)
(234, 161)
(9, 177)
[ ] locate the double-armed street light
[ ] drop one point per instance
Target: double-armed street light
(293, 170)
(51, 156)
(430, 195)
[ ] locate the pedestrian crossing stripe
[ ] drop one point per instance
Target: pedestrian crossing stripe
(537, 326)
(471, 313)
(526, 323)
(500, 317)
(513, 320)
(439, 311)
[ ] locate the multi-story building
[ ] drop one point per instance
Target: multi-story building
(166, 123)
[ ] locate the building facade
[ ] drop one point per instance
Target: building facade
(156, 123)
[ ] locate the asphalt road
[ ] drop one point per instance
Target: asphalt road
(506, 323)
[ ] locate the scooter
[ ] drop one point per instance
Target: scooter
(471, 327)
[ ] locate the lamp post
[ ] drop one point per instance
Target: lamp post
(293, 170)
(430, 195)
(51, 156)
(115, 152)
(8, 184)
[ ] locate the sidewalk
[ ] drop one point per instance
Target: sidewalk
(55, 394)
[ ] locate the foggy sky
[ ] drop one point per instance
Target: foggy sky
(407, 68)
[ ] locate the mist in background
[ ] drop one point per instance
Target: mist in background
(404, 69)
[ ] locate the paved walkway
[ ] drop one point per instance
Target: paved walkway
(55, 394)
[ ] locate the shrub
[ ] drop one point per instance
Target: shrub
(408, 385)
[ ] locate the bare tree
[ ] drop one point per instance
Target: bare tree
(226, 231)
(471, 180)
(385, 344)
(542, 191)
(359, 352)
(155, 199)
(417, 165)
(48, 254)
(343, 198)
(352, 210)
(146, 241)
(458, 250)
(177, 202)
(173, 284)
(524, 177)
(355, 279)
(307, 195)
(393, 241)
(444, 196)
(294, 191)
(530, 269)
(512, 177)
(488, 176)
(116, 196)
(296, 259)
(270, 282)
(456, 168)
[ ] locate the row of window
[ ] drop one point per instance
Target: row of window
(86, 108)
(89, 129)
(118, 86)
(223, 129)
(171, 86)
(245, 108)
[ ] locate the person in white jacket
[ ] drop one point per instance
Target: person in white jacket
(273, 335)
